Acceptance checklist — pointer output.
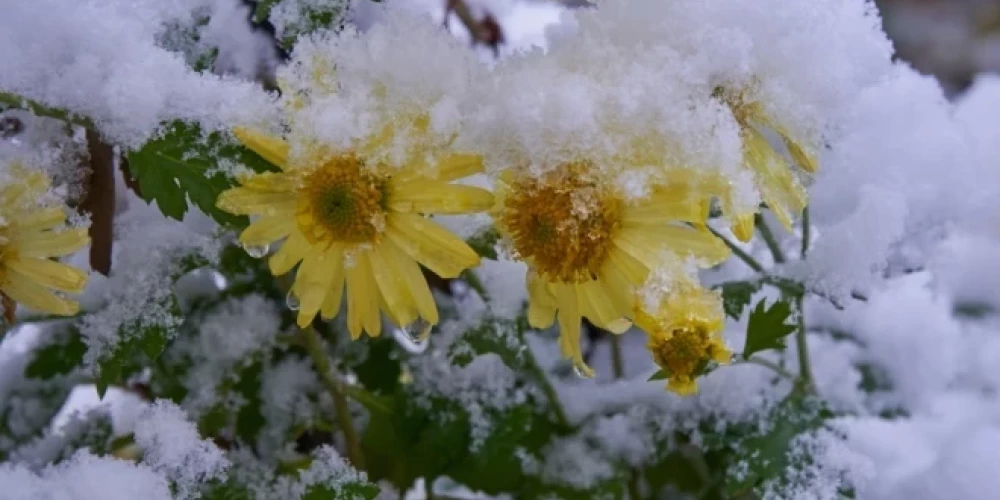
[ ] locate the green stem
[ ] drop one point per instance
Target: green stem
(769, 239)
(39, 109)
(776, 368)
(617, 365)
(738, 252)
(802, 347)
(805, 233)
(543, 380)
(314, 344)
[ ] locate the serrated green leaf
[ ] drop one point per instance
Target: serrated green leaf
(175, 168)
(142, 344)
(263, 10)
(765, 456)
(484, 243)
(659, 375)
(736, 295)
(493, 335)
(767, 327)
(57, 358)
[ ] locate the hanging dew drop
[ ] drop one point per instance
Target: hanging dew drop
(256, 251)
(414, 337)
(292, 301)
(582, 372)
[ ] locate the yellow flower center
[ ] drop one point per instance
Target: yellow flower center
(685, 353)
(343, 201)
(563, 224)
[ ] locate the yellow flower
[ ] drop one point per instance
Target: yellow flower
(588, 247)
(357, 224)
(30, 235)
(685, 334)
(776, 181)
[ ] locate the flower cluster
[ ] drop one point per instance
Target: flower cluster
(598, 184)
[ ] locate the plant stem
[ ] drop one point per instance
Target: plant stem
(805, 233)
(802, 347)
(39, 109)
(738, 252)
(314, 344)
(543, 380)
(617, 365)
(801, 344)
(769, 239)
(776, 368)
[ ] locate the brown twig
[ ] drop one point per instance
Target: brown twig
(99, 201)
(486, 31)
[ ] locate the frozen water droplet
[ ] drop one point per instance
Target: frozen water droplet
(414, 337)
(583, 371)
(256, 251)
(292, 301)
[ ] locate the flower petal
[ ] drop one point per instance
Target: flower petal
(458, 166)
(293, 250)
(409, 271)
(430, 244)
(267, 229)
(362, 298)
(398, 303)
(272, 149)
(50, 274)
(39, 220)
(596, 305)
(541, 303)
(569, 327)
(313, 281)
(51, 243)
(25, 291)
(249, 201)
(429, 197)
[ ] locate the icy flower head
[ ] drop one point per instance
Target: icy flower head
(684, 328)
(366, 158)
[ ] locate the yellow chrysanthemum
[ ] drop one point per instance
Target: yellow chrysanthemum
(360, 225)
(30, 236)
(588, 247)
(685, 334)
(776, 181)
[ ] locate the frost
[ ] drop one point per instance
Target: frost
(172, 447)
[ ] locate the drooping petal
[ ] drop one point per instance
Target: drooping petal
(570, 327)
(784, 196)
(398, 302)
(24, 290)
(628, 267)
(50, 274)
(541, 303)
(362, 297)
(411, 275)
(293, 250)
(272, 149)
(313, 281)
(430, 244)
(743, 225)
(682, 386)
(430, 197)
(267, 229)
(334, 295)
(597, 306)
(45, 244)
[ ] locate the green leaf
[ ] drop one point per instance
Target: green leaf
(142, 344)
(736, 295)
(58, 358)
(763, 456)
(493, 335)
(346, 491)
(767, 328)
(263, 10)
(177, 167)
(379, 372)
(484, 242)
(659, 375)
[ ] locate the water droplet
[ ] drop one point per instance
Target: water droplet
(292, 301)
(414, 337)
(583, 371)
(256, 251)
